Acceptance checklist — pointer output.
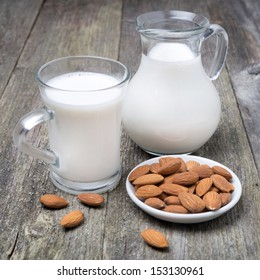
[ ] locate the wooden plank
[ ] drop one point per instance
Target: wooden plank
(244, 56)
(29, 231)
(16, 21)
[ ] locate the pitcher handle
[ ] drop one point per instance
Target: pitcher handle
(24, 125)
(220, 51)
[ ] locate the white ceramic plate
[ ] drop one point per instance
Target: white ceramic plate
(194, 217)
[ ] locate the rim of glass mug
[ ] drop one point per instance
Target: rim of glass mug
(171, 24)
(122, 81)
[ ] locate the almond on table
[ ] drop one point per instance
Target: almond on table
(53, 201)
(91, 199)
(155, 238)
(72, 219)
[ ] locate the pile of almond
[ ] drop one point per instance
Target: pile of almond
(175, 186)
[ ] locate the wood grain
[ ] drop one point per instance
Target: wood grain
(50, 29)
(17, 21)
(243, 27)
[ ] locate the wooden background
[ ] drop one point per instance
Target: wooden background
(33, 32)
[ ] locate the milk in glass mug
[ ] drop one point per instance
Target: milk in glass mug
(82, 98)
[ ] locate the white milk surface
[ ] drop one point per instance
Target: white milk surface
(176, 107)
(85, 130)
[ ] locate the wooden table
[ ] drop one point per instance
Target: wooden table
(33, 32)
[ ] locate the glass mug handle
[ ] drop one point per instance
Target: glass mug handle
(220, 51)
(24, 125)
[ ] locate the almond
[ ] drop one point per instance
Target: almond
(154, 202)
(154, 167)
(214, 189)
(154, 238)
(222, 183)
(175, 209)
(203, 186)
(225, 198)
(72, 219)
(169, 167)
(168, 179)
(139, 171)
(191, 202)
(148, 179)
(232, 187)
(164, 160)
(203, 170)
(183, 167)
(212, 200)
(191, 163)
(173, 189)
(172, 200)
(162, 196)
(53, 201)
(222, 171)
(91, 199)
(192, 188)
(184, 178)
(147, 191)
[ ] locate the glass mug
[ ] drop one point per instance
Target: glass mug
(82, 98)
(176, 106)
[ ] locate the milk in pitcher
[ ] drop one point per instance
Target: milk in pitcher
(80, 120)
(171, 106)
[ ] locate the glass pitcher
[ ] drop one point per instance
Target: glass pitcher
(172, 106)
